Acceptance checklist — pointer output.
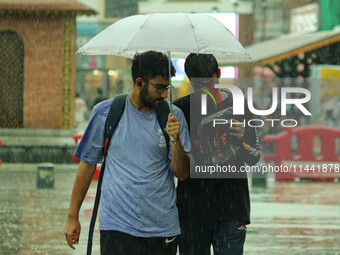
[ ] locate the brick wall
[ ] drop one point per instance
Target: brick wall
(43, 41)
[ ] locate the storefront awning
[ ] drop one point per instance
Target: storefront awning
(287, 46)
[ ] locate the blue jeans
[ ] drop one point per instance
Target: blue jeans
(198, 235)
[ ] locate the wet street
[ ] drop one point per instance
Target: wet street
(287, 218)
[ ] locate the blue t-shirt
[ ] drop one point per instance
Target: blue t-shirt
(138, 193)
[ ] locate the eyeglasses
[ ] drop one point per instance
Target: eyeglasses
(160, 87)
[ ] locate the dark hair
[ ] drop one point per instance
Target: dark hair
(150, 64)
(200, 65)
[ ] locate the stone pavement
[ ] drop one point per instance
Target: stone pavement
(287, 218)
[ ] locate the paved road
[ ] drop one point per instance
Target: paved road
(287, 218)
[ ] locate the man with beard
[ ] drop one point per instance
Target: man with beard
(214, 211)
(138, 213)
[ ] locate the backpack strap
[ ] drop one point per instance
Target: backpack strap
(112, 121)
(113, 118)
(183, 103)
(162, 113)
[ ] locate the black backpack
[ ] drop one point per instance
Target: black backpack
(112, 121)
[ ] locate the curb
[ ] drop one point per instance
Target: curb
(19, 167)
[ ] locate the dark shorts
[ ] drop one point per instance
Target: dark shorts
(197, 236)
(118, 243)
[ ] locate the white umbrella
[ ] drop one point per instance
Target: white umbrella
(177, 34)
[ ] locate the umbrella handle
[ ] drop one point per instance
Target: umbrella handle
(170, 92)
(170, 84)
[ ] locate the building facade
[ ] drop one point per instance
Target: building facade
(37, 59)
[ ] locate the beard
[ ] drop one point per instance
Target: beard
(147, 100)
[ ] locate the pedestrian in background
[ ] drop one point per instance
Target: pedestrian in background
(214, 211)
(80, 112)
(100, 97)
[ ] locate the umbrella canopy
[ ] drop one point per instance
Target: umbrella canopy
(178, 33)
